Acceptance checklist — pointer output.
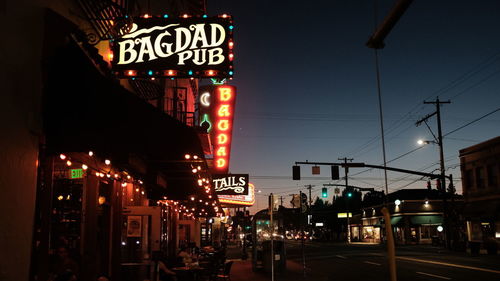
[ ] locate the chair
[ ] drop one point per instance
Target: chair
(226, 273)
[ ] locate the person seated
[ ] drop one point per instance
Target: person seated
(165, 273)
(185, 255)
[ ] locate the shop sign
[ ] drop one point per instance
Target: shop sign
(232, 184)
(223, 127)
(175, 47)
(239, 200)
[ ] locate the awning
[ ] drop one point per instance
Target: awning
(84, 110)
(426, 220)
(394, 221)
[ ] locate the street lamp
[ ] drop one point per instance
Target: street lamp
(422, 142)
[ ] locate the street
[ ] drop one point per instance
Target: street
(368, 262)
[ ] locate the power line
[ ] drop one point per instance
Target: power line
(471, 122)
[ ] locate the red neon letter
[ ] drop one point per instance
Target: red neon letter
(225, 94)
(223, 125)
(221, 151)
(222, 139)
(224, 110)
(221, 163)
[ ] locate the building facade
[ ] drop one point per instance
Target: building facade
(480, 168)
(109, 170)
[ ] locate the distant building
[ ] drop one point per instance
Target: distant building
(480, 167)
(416, 218)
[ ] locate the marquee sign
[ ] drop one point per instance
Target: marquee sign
(197, 47)
(232, 184)
(242, 200)
(224, 99)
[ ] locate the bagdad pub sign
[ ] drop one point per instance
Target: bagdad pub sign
(183, 47)
(230, 184)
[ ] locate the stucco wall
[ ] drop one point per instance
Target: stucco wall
(20, 127)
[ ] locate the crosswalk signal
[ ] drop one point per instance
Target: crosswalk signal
(335, 173)
(296, 173)
(324, 193)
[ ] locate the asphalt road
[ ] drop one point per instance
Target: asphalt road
(357, 262)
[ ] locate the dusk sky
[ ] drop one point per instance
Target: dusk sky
(307, 88)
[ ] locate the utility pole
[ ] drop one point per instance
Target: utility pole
(346, 169)
(281, 200)
(439, 142)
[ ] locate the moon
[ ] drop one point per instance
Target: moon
(205, 99)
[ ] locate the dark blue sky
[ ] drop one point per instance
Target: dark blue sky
(307, 86)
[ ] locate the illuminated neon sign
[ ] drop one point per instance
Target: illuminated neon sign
(223, 127)
(186, 47)
(244, 200)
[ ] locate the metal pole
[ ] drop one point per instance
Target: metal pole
(271, 209)
(301, 234)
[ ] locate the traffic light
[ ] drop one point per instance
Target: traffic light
(324, 193)
(335, 173)
(296, 173)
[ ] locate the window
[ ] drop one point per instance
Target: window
(492, 175)
(469, 180)
(480, 177)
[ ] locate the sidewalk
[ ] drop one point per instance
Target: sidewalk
(242, 270)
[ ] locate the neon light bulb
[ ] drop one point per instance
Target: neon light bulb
(230, 72)
(85, 167)
(107, 162)
(195, 157)
(224, 16)
(194, 171)
(91, 153)
(150, 72)
(108, 175)
(231, 27)
(68, 163)
(205, 16)
(231, 44)
(165, 16)
(231, 57)
(146, 16)
(185, 16)
(187, 156)
(62, 156)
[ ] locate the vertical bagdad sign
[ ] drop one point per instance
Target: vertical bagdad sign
(175, 47)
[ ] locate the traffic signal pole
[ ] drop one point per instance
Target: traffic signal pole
(346, 168)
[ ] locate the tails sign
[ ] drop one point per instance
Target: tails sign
(175, 47)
